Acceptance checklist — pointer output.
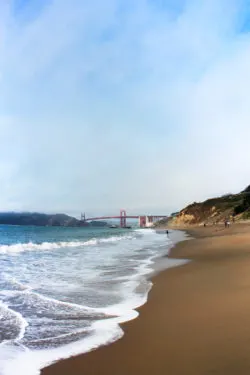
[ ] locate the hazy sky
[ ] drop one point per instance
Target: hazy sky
(135, 104)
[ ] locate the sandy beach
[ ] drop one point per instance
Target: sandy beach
(196, 320)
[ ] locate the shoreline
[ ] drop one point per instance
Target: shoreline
(164, 262)
(188, 324)
(158, 263)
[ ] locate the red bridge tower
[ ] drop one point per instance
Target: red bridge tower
(123, 218)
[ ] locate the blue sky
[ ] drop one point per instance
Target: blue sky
(136, 104)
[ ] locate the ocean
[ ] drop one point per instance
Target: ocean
(64, 291)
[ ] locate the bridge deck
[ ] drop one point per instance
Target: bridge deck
(126, 217)
(111, 217)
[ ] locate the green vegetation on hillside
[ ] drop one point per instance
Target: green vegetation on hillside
(216, 209)
(41, 219)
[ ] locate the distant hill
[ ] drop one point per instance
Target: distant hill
(41, 219)
(215, 210)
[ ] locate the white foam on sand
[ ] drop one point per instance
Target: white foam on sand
(17, 359)
(102, 332)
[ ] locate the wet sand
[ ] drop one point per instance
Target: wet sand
(196, 321)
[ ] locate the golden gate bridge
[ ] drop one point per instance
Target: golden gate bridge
(144, 220)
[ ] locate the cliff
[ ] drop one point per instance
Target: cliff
(215, 210)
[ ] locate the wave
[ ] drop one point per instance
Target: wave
(59, 325)
(15, 319)
(29, 246)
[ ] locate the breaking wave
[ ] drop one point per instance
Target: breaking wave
(55, 304)
(29, 246)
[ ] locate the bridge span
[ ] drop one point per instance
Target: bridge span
(144, 220)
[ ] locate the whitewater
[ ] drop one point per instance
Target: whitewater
(64, 291)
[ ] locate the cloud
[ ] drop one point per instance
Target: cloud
(141, 104)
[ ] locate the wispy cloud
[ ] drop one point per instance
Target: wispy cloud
(121, 103)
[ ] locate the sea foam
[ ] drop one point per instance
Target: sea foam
(29, 246)
(78, 288)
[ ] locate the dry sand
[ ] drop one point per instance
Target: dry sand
(196, 321)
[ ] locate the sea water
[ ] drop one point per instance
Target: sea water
(64, 291)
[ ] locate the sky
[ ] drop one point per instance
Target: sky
(135, 104)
